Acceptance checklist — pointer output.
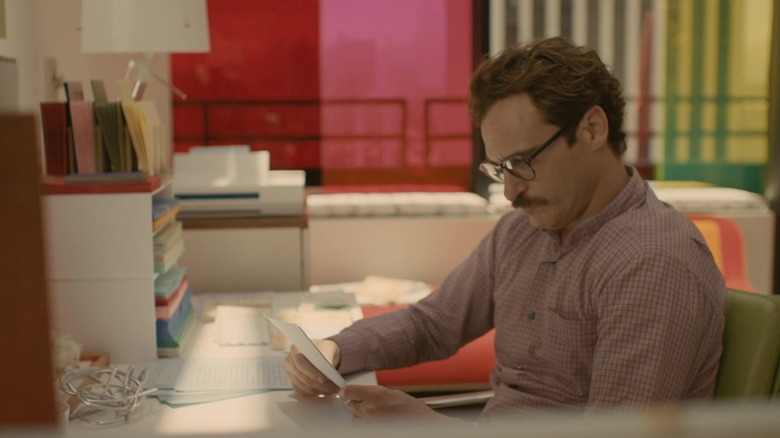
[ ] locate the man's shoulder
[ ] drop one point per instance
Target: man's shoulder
(653, 224)
(654, 233)
(659, 235)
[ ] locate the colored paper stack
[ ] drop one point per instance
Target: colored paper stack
(172, 292)
(101, 137)
(168, 246)
(173, 309)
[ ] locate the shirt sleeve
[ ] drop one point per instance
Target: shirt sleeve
(657, 332)
(459, 311)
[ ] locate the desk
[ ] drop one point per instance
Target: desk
(279, 413)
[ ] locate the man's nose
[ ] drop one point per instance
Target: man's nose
(513, 186)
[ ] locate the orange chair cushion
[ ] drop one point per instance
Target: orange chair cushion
(468, 369)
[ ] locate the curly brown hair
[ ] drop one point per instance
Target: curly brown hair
(563, 80)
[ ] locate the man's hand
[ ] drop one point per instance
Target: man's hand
(378, 402)
(305, 377)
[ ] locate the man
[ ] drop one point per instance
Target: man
(600, 294)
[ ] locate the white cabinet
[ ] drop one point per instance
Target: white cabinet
(422, 248)
(100, 265)
(245, 254)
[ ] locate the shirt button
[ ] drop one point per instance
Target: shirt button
(531, 316)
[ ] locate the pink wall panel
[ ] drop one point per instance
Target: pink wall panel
(409, 49)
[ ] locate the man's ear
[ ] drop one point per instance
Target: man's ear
(595, 127)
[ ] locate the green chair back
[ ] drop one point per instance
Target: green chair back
(776, 384)
(751, 347)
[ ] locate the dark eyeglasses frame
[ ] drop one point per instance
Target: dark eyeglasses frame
(496, 171)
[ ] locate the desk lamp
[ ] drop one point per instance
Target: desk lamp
(145, 27)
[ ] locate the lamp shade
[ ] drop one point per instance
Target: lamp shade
(144, 26)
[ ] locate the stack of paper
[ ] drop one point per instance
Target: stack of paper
(145, 128)
(166, 284)
(172, 331)
(199, 380)
(173, 310)
(206, 304)
(378, 290)
(163, 211)
(102, 137)
(165, 308)
(168, 246)
(242, 325)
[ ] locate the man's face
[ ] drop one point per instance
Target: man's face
(563, 187)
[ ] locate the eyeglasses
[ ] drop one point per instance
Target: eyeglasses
(517, 165)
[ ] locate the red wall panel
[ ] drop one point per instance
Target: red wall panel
(260, 51)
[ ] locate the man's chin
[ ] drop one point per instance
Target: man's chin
(532, 210)
(537, 221)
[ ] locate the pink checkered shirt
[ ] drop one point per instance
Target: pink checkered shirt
(627, 313)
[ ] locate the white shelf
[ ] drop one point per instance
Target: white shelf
(99, 236)
(100, 260)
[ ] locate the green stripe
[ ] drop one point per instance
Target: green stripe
(697, 81)
(722, 87)
(727, 99)
(741, 176)
(672, 53)
(740, 133)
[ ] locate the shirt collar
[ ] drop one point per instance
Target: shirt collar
(632, 194)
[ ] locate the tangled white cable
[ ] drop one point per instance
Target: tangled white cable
(110, 395)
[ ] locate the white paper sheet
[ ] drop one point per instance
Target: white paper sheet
(242, 325)
(218, 374)
(304, 344)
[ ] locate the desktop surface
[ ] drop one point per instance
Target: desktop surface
(271, 412)
(283, 413)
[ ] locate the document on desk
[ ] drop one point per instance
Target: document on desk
(179, 398)
(304, 344)
(242, 325)
(218, 374)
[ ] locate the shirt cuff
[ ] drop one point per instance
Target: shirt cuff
(353, 348)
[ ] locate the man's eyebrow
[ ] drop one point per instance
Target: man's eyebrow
(527, 153)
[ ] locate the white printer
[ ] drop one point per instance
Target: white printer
(232, 181)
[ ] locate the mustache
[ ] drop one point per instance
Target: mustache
(526, 202)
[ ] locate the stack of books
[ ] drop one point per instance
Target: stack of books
(168, 246)
(172, 292)
(173, 309)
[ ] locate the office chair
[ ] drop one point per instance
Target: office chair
(751, 347)
(467, 370)
(776, 385)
